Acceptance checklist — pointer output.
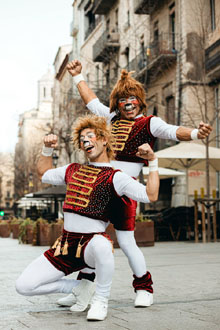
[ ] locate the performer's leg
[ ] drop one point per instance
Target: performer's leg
(129, 246)
(98, 254)
(41, 277)
(142, 282)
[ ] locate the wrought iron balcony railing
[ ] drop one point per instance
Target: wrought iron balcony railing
(102, 7)
(146, 6)
(212, 60)
(105, 45)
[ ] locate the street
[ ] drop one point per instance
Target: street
(186, 291)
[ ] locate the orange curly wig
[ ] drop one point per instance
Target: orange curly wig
(102, 130)
(127, 86)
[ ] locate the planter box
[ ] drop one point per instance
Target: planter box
(29, 234)
(43, 234)
(56, 230)
(144, 234)
(15, 230)
(4, 230)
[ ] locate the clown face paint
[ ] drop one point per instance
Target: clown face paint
(93, 148)
(129, 107)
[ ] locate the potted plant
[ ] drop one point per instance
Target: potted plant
(4, 228)
(14, 225)
(26, 231)
(41, 232)
(144, 232)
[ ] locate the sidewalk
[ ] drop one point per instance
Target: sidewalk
(186, 283)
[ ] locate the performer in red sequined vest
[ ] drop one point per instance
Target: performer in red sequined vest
(93, 191)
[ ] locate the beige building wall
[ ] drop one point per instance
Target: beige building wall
(6, 182)
(33, 125)
(168, 42)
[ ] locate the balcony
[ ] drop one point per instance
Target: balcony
(107, 44)
(102, 7)
(155, 58)
(212, 60)
(146, 7)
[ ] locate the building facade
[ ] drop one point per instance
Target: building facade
(6, 183)
(33, 125)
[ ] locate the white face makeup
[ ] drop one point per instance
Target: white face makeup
(94, 148)
(129, 107)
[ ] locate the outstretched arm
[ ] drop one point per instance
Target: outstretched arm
(75, 68)
(187, 134)
(45, 162)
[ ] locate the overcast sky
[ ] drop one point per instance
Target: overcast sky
(31, 32)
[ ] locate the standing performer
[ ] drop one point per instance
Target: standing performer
(133, 132)
(93, 191)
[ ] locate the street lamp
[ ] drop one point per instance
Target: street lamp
(55, 159)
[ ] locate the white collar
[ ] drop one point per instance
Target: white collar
(100, 164)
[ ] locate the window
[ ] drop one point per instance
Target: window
(116, 20)
(8, 194)
(156, 31)
(128, 17)
(44, 92)
(212, 9)
(127, 51)
(172, 28)
(108, 25)
(170, 110)
(107, 76)
(97, 76)
(217, 116)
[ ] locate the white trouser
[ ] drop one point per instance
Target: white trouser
(41, 277)
(129, 246)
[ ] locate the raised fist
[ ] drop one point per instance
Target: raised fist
(145, 152)
(74, 67)
(204, 130)
(50, 141)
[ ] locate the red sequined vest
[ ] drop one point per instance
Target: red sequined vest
(129, 135)
(90, 191)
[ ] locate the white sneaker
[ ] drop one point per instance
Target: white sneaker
(83, 294)
(143, 299)
(98, 310)
(67, 301)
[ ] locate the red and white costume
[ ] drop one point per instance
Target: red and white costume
(92, 191)
(130, 134)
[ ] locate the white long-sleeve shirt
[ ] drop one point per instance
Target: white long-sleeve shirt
(123, 185)
(158, 128)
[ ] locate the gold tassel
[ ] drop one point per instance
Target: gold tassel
(58, 250)
(65, 248)
(56, 243)
(79, 248)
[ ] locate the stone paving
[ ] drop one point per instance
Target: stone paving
(186, 283)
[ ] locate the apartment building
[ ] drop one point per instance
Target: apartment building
(172, 45)
(6, 183)
(33, 125)
(67, 106)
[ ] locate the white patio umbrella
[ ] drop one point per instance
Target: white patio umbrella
(187, 155)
